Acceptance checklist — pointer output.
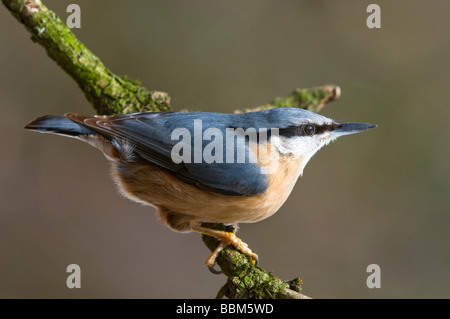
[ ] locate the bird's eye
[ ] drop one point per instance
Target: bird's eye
(309, 129)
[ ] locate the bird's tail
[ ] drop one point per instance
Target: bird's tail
(72, 125)
(58, 125)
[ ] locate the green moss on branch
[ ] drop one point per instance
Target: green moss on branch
(311, 99)
(245, 280)
(112, 94)
(108, 93)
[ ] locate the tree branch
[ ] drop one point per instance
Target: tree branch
(112, 94)
(245, 280)
(311, 99)
(107, 92)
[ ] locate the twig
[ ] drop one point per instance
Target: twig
(312, 99)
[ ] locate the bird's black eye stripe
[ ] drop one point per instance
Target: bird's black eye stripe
(307, 129)
(326, 128)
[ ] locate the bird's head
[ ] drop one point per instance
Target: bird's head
(302, 133)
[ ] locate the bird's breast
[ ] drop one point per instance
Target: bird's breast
(282, 172)
(153, 185)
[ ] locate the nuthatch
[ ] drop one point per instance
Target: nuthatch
(188, 166)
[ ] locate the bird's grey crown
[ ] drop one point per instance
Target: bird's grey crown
(272, 118)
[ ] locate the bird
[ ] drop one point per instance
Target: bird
(205, 167)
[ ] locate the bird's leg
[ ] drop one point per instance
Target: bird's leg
(226, 238)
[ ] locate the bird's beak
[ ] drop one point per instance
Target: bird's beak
(351, 128)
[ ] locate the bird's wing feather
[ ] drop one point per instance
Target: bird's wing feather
(150, 134)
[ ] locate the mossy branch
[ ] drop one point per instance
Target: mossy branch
(311, 99)
(245, 280)
(112, 94)
(107, 92)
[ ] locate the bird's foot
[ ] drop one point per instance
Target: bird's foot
(226, 238)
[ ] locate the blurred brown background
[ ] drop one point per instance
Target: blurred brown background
(380, 197)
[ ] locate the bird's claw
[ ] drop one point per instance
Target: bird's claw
(230, 239)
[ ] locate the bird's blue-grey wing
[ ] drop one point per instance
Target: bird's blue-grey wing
(151, 136)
